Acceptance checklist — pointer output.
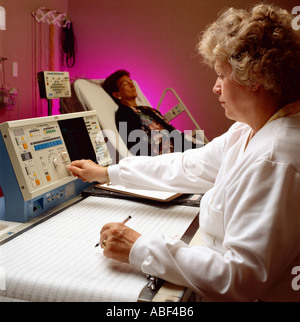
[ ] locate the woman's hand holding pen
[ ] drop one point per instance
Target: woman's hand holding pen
(88, 171)
(116, 239)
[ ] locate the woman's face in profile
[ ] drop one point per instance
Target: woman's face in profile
(126, 87)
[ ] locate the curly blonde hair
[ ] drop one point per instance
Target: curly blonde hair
(260, 45)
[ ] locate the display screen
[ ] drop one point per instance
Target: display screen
(18, 132)
(77, 139)
(26, 156)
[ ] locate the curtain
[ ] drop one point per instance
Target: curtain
(46, 55)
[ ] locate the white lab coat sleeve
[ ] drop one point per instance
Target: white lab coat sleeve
(261, 241)
(193, 171)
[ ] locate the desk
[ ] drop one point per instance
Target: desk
(54, 259)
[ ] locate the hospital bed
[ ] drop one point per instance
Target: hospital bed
(89, 95)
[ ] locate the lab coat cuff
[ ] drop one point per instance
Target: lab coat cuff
(139, 251)
(114, 174)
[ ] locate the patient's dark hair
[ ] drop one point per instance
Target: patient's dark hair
(110, 83)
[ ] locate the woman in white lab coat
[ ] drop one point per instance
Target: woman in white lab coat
(250, 213)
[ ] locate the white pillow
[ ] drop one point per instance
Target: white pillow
(93, 97)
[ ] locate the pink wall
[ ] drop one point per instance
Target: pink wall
(154, 39)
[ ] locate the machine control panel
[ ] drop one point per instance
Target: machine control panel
(40, 149)
(54, 84)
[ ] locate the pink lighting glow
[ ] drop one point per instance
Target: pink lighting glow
(148, 41)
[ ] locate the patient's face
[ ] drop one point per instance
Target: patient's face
(126, 87)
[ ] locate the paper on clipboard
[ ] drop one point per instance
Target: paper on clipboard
(148, 194)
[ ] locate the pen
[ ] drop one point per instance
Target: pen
(123, 222)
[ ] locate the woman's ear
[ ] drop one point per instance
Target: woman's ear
(116, 95)
(255, 87)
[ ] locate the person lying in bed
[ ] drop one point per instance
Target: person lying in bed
(155, 135)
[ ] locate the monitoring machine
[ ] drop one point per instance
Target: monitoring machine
(34, 155)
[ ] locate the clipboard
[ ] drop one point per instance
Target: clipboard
(161, 196)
